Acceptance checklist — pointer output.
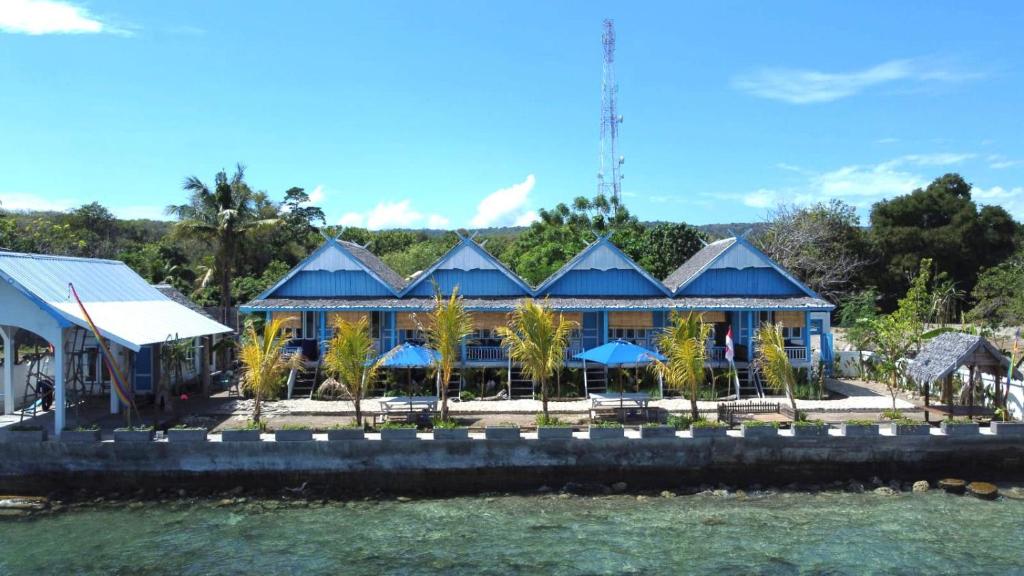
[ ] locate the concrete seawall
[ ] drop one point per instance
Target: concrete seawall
(440, 468)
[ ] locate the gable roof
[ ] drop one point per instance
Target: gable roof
(174, 294)
(718, 252)
(479, 259)
(947, 352)
(601, 254)
(124, 307)
(335, 254)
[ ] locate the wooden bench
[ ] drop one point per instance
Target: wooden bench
(619, 405)
(407, 408)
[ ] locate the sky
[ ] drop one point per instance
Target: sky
(479, 113)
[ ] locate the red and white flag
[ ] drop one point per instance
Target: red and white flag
(729, 351)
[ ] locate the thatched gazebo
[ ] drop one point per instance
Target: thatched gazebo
(944, 355)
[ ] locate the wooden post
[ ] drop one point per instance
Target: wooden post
(206, 342)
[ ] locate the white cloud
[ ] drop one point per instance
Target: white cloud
(762, 198)
(1011, 199)
(801, 86)
(38, 17)
(317, 195)
(141, 213)
(887, 140)
(16, 201)
(400, 214)
(506, 206)
(526, 218)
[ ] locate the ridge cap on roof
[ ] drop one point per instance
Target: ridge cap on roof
(39, 256)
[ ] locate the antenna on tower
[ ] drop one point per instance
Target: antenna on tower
(609, 178)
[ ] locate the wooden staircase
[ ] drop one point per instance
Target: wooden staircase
(750, 382)
(597, 379)
(519, 386)
(306, 382)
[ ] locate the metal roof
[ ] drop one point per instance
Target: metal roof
(125, 307)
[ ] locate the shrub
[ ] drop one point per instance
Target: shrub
(295, 426)
(134, 429)
(186, 427)
(606, 424)
(440, 424)
(959, 421)
(331, 389)
(550, 421)
(808, 423)
(891, 414)
(760, 424)
(679, 422)
(708, 424)
(396, 425)
(346, 426)
(248, 425)
(861, 422)
(83, 428)
(466, 396)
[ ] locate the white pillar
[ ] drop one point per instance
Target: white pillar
(58, 383)
(9, 354)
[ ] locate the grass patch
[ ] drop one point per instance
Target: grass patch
(891, 414)
(83, 428)
(247, 425)
(396, 426)
(290, 427)
(134, 429)
(678, 422)
(353, 425)
(760, 424)
(861, 422)
(550, 421)
(708, 424)
(606, 424)
(808, 423)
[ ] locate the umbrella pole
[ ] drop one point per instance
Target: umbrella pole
(586, 389)
(622, 407)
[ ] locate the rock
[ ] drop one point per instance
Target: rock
(667, 494)
(741, 495)
(225, 502)
(135, 505)
(23, 503)
(884, 491)
(720, 493)
(565, 495)
(921, 486)
(983, 490)
(855, 487)
(953, 485)
(641, 498)
(619, 487)
(1015, 493)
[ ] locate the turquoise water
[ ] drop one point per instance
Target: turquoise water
(824, 533)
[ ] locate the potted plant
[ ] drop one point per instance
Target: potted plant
(810, 428)
(184, 434)
(606, 430)
(344, 432)
(960, 427)
(708, 429)
(506, 431)
(449, 430)
(134, 434)
(759, 429)
(658, 430)
(293, 433)
(859, 428)
(1007, 428)
(86, 433)
(908, 427)
(248, 432)
(551, 428)
(397, 431)
(26, 433)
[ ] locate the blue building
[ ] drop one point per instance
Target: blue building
(729, 282)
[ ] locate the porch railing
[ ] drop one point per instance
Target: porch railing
(796, 353)
(717, 354)
(486, 353)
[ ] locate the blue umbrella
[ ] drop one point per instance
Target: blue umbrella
(408, 355)
(620, 354)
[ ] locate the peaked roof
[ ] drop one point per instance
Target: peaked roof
(124, 307)
(174, 294)
(707, 256)
(467, 242)
(581, 258)
(947, 352)
(363, 258)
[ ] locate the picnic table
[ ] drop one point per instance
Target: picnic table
(407, 408)
(603, 403)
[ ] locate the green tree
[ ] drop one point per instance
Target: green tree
(855, 316)
(775, 364)
(895, 335)
(683, 343)
(350, 360)
(221, 216)
(263, 364)
(999, 293)
(447, 325)
(537, 339)
(940, 222)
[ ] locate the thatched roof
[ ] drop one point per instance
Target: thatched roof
(947, 352)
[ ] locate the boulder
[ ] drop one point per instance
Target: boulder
(667, 494)
(953, 485)
(855, 487)
(983, 490)
(884, 491)
(1015, 493)
(619, 487)
(921, 486)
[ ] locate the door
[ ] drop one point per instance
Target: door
(144, 370)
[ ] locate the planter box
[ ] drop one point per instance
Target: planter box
(133, 435)
(25, 436)
(759, 431)
(554, 433)
(398, 434)
(240, 436)
(909, 429)
(806, 431)
(501, 433)
(293, 435)
(607, 433)
(961, 429)
(859, 430)
(1007, 428)
(448, 434)
(657, 432)
(715, 432)
(80, 436)
(345, 434)
(186, 435)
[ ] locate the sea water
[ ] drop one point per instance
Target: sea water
(786, 533)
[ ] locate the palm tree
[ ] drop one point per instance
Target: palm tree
(448, 325)
(263, 364)
(222, 217)
(684, 345)
(774, 363)
(349, 360)
(537, 340)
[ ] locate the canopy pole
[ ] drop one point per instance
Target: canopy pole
(586, 388)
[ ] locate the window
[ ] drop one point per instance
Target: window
(309, 325)
(412, 336)
(793, 335)
(634, 335)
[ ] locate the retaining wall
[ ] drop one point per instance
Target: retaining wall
(446, 467)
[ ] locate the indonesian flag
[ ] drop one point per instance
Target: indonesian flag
(729, 352)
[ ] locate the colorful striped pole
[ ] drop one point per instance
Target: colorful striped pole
(120, 386)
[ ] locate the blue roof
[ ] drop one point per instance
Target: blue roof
(614, 258)
(484, 257)
(46, 277)
(620, 353)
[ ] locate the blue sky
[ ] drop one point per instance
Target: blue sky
(480, 113)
